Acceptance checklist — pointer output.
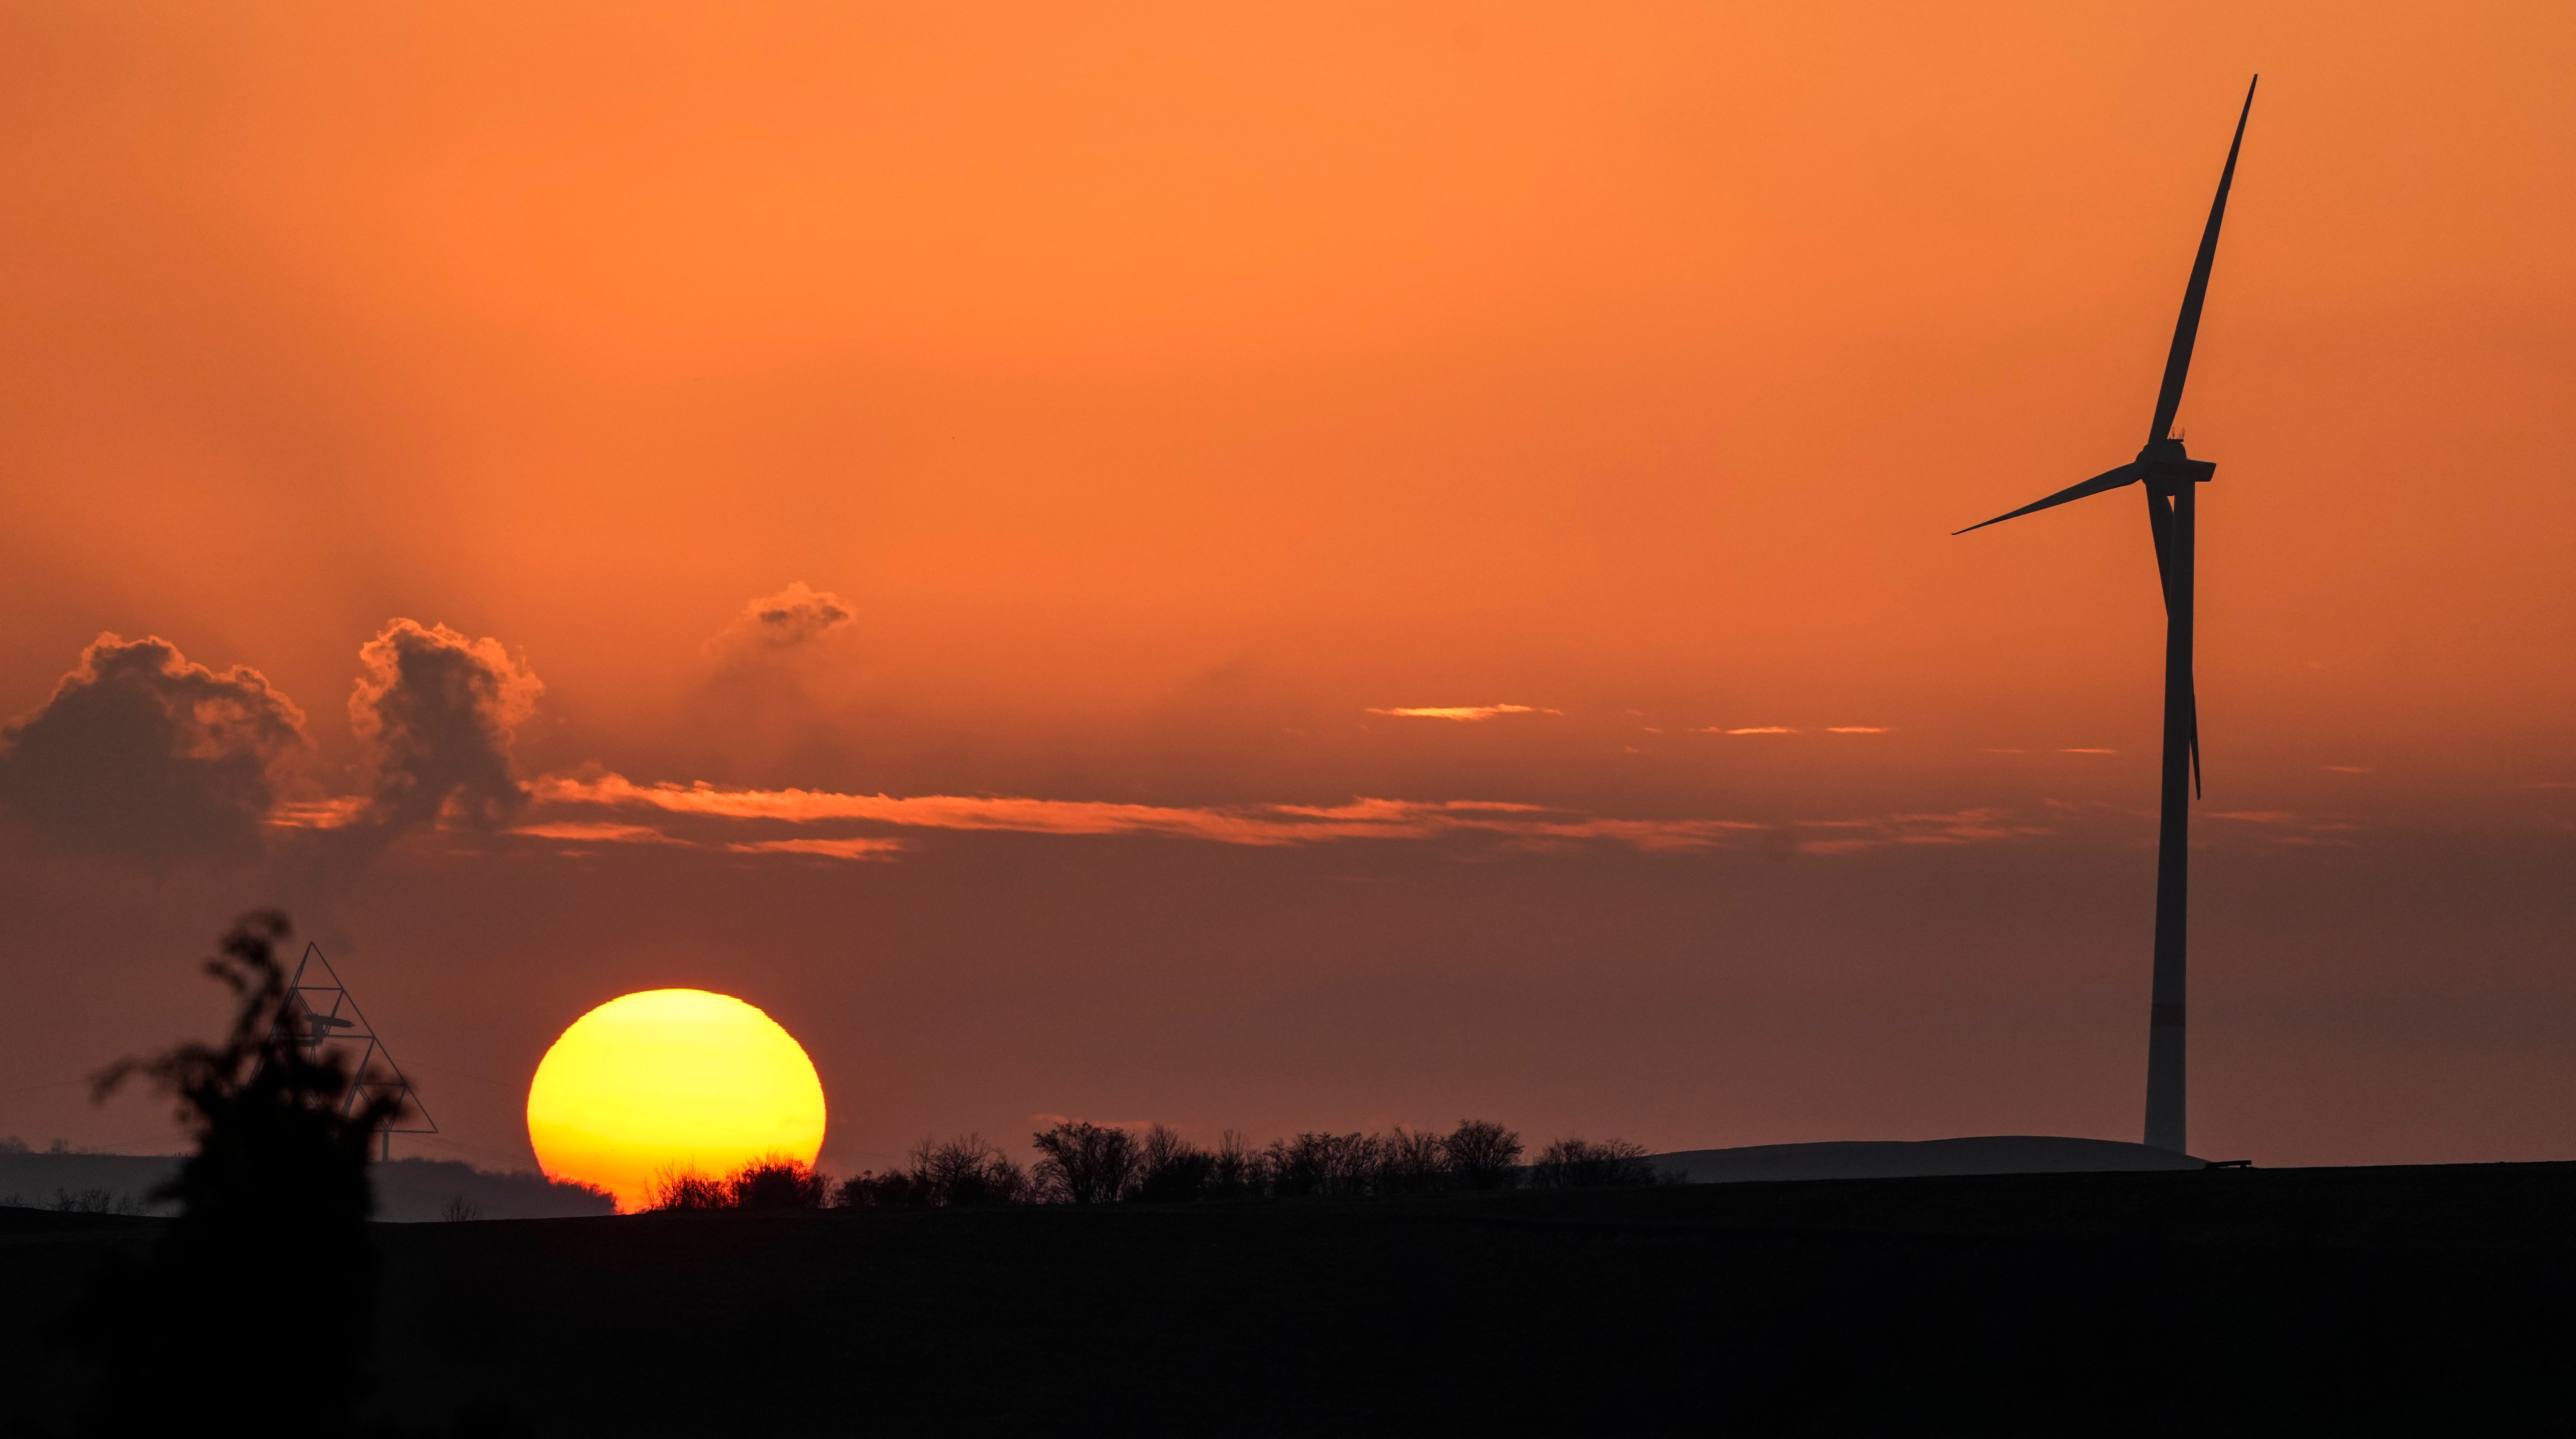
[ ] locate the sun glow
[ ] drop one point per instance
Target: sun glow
(671, 1079)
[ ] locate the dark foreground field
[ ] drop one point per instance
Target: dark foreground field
(2257, 1302)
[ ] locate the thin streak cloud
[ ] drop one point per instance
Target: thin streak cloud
(1259, 824)
(1465, 714)
(859, 849)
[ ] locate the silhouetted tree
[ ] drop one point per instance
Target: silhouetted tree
(1575, 1164)
(1482, 1155)
(256, 1301)
(1170, 1167)
(1085, 1163)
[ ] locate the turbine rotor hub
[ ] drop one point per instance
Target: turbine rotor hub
(2167, 468)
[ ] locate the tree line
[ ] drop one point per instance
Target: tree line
(1083, 1163)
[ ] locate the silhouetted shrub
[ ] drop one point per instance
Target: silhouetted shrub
(1170, 1167)
(1085, 1163)
(967, 1171)
(677, 1188)
(95, 1201)
(894, 1189)
(954, 1174)
(1325, 1166)
(268, 1270)
(1575, 1164)
(461, 1210)
(1482, 1155)
(1236, 1170)
(1410, 1162)
(775, 1181)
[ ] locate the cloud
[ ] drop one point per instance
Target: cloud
(828, 848)
(578, 832)
(790, 619)
(1966, 826)
(437, 711)
(1858, 729)
(142, 754)
(1254, 824)
(2088, 751)
(1464, 714)
(1752, 729)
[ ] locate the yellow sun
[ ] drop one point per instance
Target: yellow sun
(671, 1079)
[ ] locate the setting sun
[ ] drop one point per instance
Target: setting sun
(671, 1079)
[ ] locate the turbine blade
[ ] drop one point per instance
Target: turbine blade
(2187, 328)
(2195, 746)
(2159, 527)
(2107, 480)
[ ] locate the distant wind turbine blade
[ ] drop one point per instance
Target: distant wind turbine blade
(2107, 480)
(2187, 328)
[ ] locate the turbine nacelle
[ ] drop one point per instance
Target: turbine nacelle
(2166, 468)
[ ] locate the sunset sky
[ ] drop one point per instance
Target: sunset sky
(1299, 567)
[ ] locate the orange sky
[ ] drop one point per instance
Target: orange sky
(1161, 391)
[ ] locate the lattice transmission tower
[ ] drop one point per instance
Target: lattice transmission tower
(323, 1013)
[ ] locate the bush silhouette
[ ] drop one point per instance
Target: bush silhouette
(958, 1173)
(1323, 1166)
(1236, 1170)
(682, 1188)
(965, 1172)
(1170, 1167)
(778, 1182)
(1575, 1164)
(269, 1254)
(1410, 1162)
(1482, 1155)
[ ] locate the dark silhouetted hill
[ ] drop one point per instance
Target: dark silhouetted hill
(1916, 1159)
(2259, 1302)
(407, 1190)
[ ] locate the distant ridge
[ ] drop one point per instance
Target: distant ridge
(1907, 1159)
(407, 1190)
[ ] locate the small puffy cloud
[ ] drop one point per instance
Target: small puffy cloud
(790, 619)
(142, 754)
(1464, 714)
(437, 711)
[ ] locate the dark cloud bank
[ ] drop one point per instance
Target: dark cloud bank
(141, 755)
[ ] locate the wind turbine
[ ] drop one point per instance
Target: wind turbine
(2171, 479)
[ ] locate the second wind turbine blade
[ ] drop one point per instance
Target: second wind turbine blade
(2107, 480)
(2195, 746)
(2187, 327)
